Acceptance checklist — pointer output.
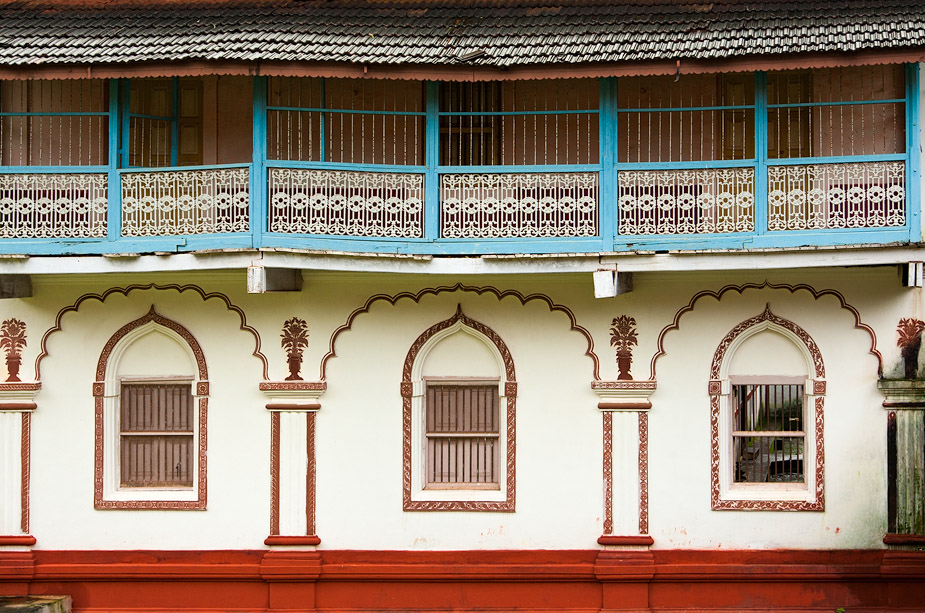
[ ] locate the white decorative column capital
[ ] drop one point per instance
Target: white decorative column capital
(293, 395)
(624, 395)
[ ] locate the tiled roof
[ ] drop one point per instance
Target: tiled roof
(499, 34)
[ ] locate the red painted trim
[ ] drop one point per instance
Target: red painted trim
(307, 406)
(202, 390)
(25, 472)
(629, 406)
(624, 385)
(510, 390)
(274, 473)
(20, 387)
(297, 386)
(817, 294)
(643, 463)
(17, 406)
(276, 539)
(459, 287)
(125, 291)
(608, 472)
(17, 539)
(310, 474)
(904, 539)
(633, 540)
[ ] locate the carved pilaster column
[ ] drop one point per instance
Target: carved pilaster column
(624, 407)
(17, 402)
(292, 406)
(905, 403)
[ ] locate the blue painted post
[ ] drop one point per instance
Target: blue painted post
(913, 153)
(258, 209)
(607, 203)
(761, 152)
(431, 160)
(114, 181)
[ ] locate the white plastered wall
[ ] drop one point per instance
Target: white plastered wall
(559, 456)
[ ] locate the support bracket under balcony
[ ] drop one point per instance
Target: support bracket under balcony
(261, 280)
(15, 286)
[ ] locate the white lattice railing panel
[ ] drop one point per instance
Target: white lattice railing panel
(336, 202)
(536, 205)
(708, 201)
(53, 205)
(823, 196)
(181, 202)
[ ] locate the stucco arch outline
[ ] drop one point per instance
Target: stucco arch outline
(459, 287)
(125, 291)
(718, 295)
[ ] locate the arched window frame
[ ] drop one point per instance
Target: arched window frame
(415, 496)
(108, 494)
(726, 495)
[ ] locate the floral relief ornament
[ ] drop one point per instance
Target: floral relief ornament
(295, 340)
(910, 341)
(12, 341)
(623, 338)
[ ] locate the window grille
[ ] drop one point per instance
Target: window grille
(833, 112)
(156, 435)
(768, 433)
(54, 123)
(462, 435)
(165, 123)
(519, 123)
(694, 118)
(349, 121)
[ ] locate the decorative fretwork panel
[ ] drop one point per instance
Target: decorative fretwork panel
(706, 201)
(820, 196)
(334, 202)
(53, 205)
(185, 202)
(539, 205)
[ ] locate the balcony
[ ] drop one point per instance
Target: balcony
(743, 161)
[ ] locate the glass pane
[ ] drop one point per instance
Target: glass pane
(759, 410)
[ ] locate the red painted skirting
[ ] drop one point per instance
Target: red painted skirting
(17, 539)
(904, 539)
(589, 580)
(275, 539)
(642, 540)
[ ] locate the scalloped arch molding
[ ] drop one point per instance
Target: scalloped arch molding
(718, 295)
(125, 291)
(459, 287)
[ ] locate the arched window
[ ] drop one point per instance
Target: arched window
(459, 395)
(151, 409)
(767, 387)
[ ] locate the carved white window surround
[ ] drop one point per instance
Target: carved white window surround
(108, 491)
(729, 495)
(419, 490)
(112, 490)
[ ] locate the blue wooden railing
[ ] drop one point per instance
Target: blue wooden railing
(410, 208)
